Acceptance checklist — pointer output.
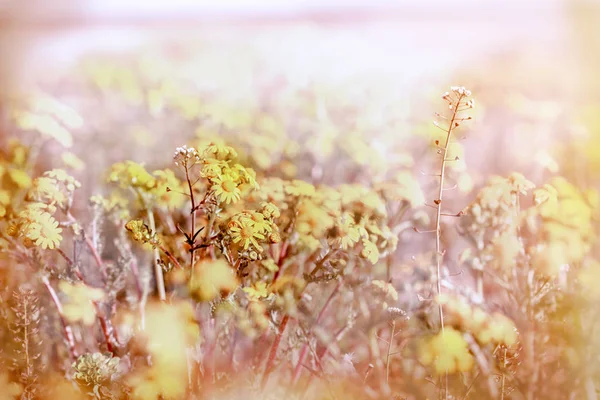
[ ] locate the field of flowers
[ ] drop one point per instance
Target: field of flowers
(166, 237)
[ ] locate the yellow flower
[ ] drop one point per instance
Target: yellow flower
(212, 278)
(446, 351)
(46, 190)
(299, 188)
(140, 232)
(258, 291)
(219, 151)
(168, 189)
(244, 233)
(349, 233)
(519, 183)
(131, 174)
(258, 221)
(43, 230)
(370, 251)
(211, 170)
(19, 178)
(270, 265)
(80, 307)
(270, 210)
(226, 190)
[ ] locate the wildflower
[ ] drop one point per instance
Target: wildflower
(244, 233)
(270, 265)
(37, 226)
(500, 329)
(312, 219)
(219, 152)
(211, 171)
(45, 189)
(370, 251)
(349, 233)
(212, 278)
(140, 232)
(299, 188)
(168, 189)
(185, 156)
(226, 190)
(447, 352)
(44, 231)
(274, 237)
(258, 291)
(93, 369)
(130, 174)
(19, 178)
(80, 307)
(260, 224)
(270, 210)
(519, 183)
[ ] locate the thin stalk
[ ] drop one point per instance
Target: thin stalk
(304, 349)
(503, 384)
(193, 212)
(273, 352)
(438, 217)
(389, 353)
(158, 273)
(67, 331)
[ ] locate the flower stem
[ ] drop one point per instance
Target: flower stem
(273, 352)
(438, 217)
(304, 349)
(158, 273)
(67, 331)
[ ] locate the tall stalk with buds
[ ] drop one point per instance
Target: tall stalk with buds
(457, 103)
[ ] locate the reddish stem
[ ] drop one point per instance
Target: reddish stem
(170, 256)
(67, 331)
(273, 351)
(304, 350)
(106, 328)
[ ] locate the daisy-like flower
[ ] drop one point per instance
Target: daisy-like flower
(220, 152)
(258, 220)
(370, 251)
(349, 234)
(270, 210)
(211, 170)
(226, 190)
(244, 233)
(44, 231)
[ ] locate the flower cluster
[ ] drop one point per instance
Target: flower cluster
(486, 328)
(185, 156)
(140, 232)
(54, 188)
(160, 187)
(211, 279)
(446, 352)
(95, 369)
(248, 230)
(36, 226)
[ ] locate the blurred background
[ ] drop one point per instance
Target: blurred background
(531, 64)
